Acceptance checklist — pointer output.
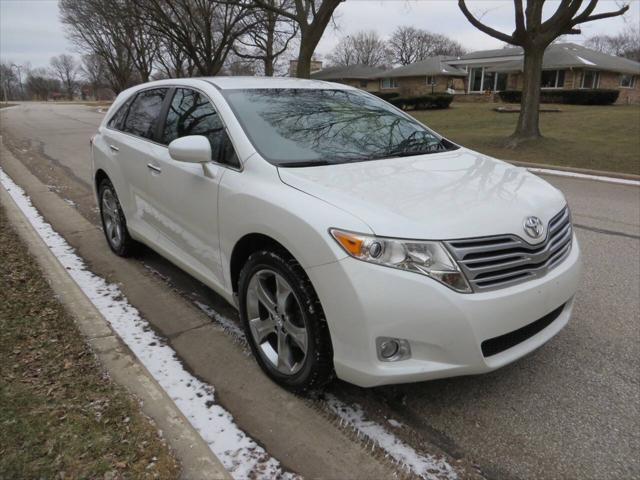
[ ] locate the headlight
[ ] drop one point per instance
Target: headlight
(427, 258)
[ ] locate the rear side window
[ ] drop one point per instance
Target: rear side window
(118, 119)
(144, 112)
(191, 113)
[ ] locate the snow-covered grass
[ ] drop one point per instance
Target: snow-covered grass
(425, 466)
(238, 452)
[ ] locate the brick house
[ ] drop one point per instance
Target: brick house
(360, 76)
(432, 75)
(565, 66)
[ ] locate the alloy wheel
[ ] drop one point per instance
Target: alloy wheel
(276, 322)
(111, 218)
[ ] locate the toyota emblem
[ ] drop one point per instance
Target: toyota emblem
(533, 227)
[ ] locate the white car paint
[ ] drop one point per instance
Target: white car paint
(195, 218)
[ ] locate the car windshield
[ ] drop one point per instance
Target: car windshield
(305, 127)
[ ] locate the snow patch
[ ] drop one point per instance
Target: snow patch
(238, 452)
(428, 467)
(586, 62)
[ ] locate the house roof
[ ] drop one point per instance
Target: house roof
(430, 66)
(489, 54)
(570, 55)
(356, 72)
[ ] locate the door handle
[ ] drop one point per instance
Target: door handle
(154, 168)
(114, 148)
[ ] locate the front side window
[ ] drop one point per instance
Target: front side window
(191, 113)
(144, 113)
(303, 127)
(627, 81)
(590, 79)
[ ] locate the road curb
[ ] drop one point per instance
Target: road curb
(195, 456)
(587, 174)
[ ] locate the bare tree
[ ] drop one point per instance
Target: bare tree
(9, 86)
(65, 68)
(534, 35)
(96, 27)
(624, 44)
(362, 48)
(142, 42)
(40, 85)
(204, 30)
(409, 45)
(269, 38)
(312, 18)
(93, 71)
(172, 60)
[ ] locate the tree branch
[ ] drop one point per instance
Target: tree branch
(482, 27)
(600, 16)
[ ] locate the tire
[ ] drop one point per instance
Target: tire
(291, 296)
(114, 224)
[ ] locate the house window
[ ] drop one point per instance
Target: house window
(363, 83)
(552, 79)
(590, 79)
(388, 83)
(431, 80)
(627, 81)
(482, 80)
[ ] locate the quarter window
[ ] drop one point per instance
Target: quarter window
(118, 118)
(191, 113)
(144, 113)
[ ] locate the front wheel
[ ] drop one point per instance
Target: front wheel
(284, 322)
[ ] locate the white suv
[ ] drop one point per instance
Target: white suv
(353, 239)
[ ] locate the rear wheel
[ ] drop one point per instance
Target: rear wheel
(284, 322)
(114, 224)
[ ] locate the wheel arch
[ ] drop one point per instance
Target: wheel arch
(99, 176)
(248, 244)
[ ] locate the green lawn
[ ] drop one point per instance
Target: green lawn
(594, 137)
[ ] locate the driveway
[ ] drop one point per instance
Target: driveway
(569, 410)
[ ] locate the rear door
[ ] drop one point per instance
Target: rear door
(134, 144)
(185, 195)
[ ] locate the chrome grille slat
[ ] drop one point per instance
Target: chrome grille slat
(503, 260)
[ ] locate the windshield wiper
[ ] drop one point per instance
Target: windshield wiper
(305, 163)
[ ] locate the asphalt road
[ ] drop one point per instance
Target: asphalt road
(569, 410)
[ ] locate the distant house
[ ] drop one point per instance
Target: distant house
(432, 75)
(361, 76)
(565, 66)
(316, 65)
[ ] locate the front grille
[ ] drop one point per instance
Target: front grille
(504, 260)
(495, 345)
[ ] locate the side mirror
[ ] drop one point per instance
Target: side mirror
(192, 149)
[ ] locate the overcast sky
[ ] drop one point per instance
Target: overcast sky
(31, 32)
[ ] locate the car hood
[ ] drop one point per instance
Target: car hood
(457, 194)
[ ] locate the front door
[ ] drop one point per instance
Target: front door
(184, 195)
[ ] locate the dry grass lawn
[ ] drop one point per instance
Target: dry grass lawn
(594, 137)
(60, 415)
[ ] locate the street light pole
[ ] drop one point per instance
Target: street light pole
(19, 69)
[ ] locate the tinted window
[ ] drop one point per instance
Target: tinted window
(144, 112)
(300, 127)
(117, 120)
(191, 113)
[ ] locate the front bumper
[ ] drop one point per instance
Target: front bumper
(363, 301)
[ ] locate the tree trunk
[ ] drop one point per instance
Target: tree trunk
(303, 69)
(528, 122)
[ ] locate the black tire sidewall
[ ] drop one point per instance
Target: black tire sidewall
(125, 245)
(308, 377)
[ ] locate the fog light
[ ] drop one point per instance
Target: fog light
(392, 349)
(389, 348)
